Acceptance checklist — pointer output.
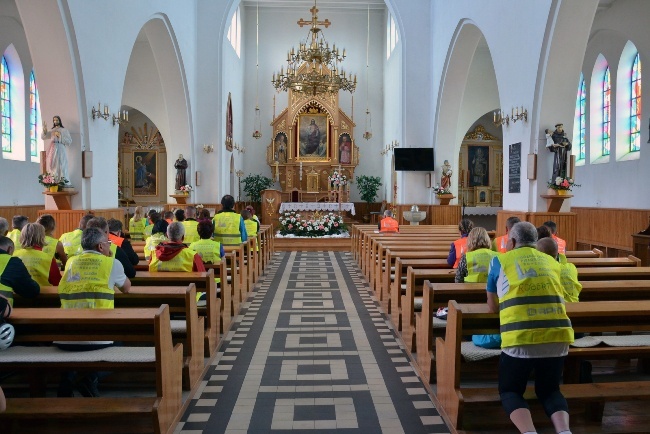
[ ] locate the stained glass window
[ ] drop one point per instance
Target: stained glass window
(33, 115)
(635, 106)
(581, 118)
(5, 105)
(607, 90)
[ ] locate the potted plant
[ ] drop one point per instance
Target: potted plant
(368, 187)
(561, 185)
(51, 181)
(254, 185)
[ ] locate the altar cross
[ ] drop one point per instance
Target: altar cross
(314, 19)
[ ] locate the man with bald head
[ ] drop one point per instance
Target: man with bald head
(568, 271)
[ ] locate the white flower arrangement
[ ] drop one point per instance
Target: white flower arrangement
(186, 188)
(329, 224)
(336, 179)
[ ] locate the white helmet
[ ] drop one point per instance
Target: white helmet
(7, 334)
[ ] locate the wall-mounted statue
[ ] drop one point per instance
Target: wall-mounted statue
(561, 147)
(56, 159)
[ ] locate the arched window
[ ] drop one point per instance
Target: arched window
(635, 106)
(234, 32)
(606, 92)
(581, 118)
(5, 105)
(392, 37)
(34, 115)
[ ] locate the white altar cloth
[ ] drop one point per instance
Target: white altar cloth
(316, 206)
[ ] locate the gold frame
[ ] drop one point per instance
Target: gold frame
(305, 120)
(143, 154)
(286, 151)
(338, 148)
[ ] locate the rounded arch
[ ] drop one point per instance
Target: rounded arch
(17, 104)
(626, 119)
(164, 95)
(601, 67)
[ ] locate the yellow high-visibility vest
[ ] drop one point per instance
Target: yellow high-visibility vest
(72, 242)
(37, 263)
(226, 228)
(181, 262)
(478, 264)
(191, 232)
(4, 289)
(136, 229)
(50, 245)
(152, 242)
(85, 282)
(569, 279)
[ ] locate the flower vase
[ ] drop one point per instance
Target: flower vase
(562, 192)
(186, 193)
(53, 188)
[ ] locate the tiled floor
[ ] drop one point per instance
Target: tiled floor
(311, 352)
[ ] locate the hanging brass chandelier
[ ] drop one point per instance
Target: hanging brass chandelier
(314, 68)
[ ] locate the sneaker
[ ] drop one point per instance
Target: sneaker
(442, 312)
(88, 387)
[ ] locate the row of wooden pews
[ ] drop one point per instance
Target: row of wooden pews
(167, 338)
(410, 277)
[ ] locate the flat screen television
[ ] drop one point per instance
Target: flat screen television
(414, 159)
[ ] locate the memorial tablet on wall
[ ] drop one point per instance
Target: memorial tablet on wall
(514, 168)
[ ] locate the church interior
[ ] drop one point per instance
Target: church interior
(434, 110)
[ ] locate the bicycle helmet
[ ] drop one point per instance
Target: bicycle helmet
(7, 334)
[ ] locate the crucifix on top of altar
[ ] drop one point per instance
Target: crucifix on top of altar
(313, 137)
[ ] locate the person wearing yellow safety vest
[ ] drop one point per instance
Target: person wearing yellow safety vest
(253, 215)
(499, 243)
(190, 224)
(568, 271)
(89, 282)
(524, 287)
(388, 223)
(14, 276)
(229, 227)
(459, 246)
(158, 235)
(137, 224)
(561, 244)
(71, 241)
(52, 245)
(152, 217)
(209, 250)
(252, 226)
(118, 253)
(173, 255)
(18, 223)
(115, 237)
(40, 264)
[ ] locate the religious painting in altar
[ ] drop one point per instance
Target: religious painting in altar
(313, 134)
(280, 147)
(145, 173)
(345, 149)
(479, 165)
(229, 130)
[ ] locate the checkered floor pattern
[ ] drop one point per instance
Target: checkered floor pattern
(311, 352)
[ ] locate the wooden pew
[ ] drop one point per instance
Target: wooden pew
(181, 301)
(468, 319)
(594, 253)
(204, 283)
(124, 414)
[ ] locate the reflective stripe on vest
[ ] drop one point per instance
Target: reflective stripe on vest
(37, 263)
(72, 242)
(561, 245)
(501, 243)
(478, 264)
(226, 228)
(4, 289)
(389, 224)
(50, 245)
(569, 279)
(136, 228)
(85, 282)
(532, 311)
(460, 245)
(191, 232)
(183, 261)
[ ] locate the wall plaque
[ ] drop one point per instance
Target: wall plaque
(514, 168)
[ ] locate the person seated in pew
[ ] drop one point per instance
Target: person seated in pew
(116, 251)
(52, 245)
(5, 311)
(561, 244)
(41, 265)
(18, 223)
(89, 282)
(4, 227)
(173, 255)
(190, 224)
(169, 217)
(229, 227)
(153, 217)
(137, 224)
(459, 246)
(473, 267)
(253, 215)
(209, 250)
(252, 227)
(204, 214)
(388, 223)
(158, 235)
(545, 232)
(14, 277)
(524, 288)
(499, 243)
(115, 236)
(71, 241)
(568, 271)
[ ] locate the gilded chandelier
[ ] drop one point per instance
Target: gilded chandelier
(321, 72)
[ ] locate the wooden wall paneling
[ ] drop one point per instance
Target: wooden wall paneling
(610, 227)
(445, 214)
(68, 220)
(504, 215)
(566, 222)
(30, 211)
(399, 211)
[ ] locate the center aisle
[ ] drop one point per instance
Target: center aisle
(311, 351)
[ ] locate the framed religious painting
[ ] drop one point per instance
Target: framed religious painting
(345, 149)
(313, 131)
(145, 173)
(229, 130)
(280, 147)
(478, 164)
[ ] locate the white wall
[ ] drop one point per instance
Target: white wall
(617, 183)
